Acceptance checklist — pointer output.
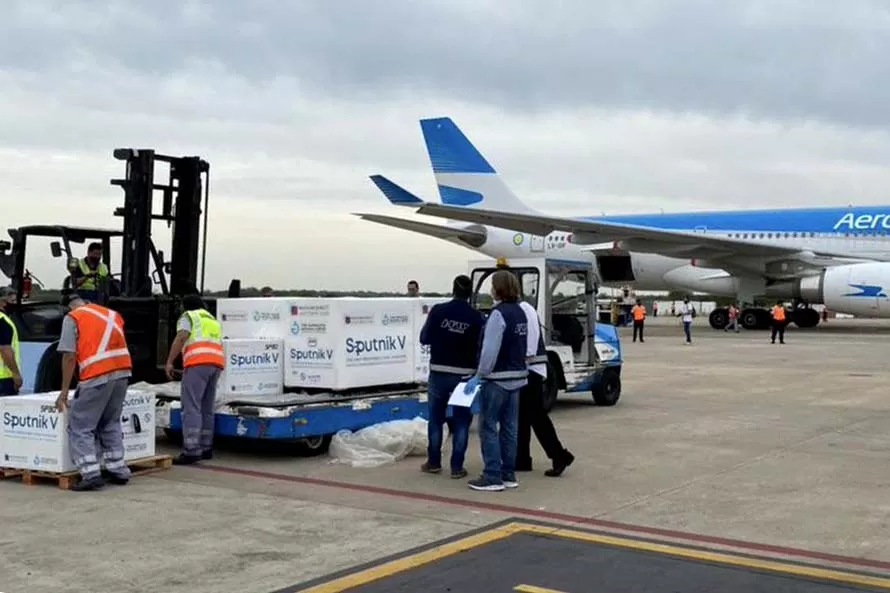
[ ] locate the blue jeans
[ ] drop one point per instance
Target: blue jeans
(441, 385)
(687, 329)
(499, 444)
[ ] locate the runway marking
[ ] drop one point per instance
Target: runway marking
(554, 516)
(411, 561)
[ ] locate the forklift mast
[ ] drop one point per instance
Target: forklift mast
(188, 182)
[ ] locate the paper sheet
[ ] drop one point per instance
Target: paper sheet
(459, 398)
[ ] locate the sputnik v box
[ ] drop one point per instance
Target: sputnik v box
(254, 317)
(34, 436)
(253, 367)
(347, 343)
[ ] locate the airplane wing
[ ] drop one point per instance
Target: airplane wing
(633, 238)
(471, 237)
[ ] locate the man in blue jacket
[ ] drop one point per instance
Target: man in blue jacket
(502, 372)
(452, 333)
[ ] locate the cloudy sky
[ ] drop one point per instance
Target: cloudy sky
(584, 106)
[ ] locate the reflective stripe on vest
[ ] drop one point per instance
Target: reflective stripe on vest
(444, 368)
(91, 281)
(5, 371)
(204, 346)
(540, 356)
(101, 345)
(507, 375)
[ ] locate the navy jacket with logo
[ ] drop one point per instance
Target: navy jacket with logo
(453, 332)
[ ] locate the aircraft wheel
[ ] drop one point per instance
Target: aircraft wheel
(719, 318)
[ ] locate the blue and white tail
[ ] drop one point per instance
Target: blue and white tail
(465, 178)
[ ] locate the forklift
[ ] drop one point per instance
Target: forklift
(583, 356)
(148, 288)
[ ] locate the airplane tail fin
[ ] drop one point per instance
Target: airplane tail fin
(465, 178)
(396, 194)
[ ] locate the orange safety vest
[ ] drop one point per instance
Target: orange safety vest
(204, 345)
(779, 313)
(639, 312)
(101, 345)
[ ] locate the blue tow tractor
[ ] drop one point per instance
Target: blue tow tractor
(562, 291)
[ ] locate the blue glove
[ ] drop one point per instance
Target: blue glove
(472, 384)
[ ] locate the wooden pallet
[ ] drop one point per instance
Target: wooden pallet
(65, 480)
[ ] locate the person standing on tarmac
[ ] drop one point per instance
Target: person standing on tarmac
(639, 315)
(92, 339)
(502, 372)
(452, 332)
(10, 355)
(199, 339)
(778, 323)
(687, 312)
(532, 415)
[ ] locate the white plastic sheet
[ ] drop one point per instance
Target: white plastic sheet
(380, 444)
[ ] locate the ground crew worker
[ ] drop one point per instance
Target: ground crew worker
(778, 323)
(639, 315)
(733, 319)
(92, 339)
(199, 339)
(452, 332)
(502, 372)
(91, 273)
(687, 313)
(532, 415)
(10, 355)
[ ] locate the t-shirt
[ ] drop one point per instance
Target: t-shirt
(184, 324)
(5, 333)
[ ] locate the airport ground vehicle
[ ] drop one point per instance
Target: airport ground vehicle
(146, 288)
(563, 292)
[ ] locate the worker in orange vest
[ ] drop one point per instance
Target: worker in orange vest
(779, 323)
(92, 340)
(199, 339)
(639, 315)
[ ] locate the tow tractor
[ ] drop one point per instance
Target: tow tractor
(564, 294)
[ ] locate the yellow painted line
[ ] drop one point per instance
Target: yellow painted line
(399, 565)
(706, 556)
(533, 589)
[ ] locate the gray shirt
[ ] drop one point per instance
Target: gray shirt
(68, 343)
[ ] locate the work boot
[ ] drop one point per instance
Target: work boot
(94, 483)
(113, 478)
(458, 474)
(184, 459)
(560, 465)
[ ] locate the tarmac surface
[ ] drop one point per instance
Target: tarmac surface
(731, 444)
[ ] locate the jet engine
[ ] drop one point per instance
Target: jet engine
(855, 289)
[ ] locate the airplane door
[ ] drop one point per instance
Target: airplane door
(537, 244)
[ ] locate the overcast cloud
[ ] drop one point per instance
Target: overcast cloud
(585, 107)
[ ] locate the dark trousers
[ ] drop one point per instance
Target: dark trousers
(778, 328)
(532, 416)
(638, 328)
(7, 387)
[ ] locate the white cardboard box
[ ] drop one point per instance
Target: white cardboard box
(253, 367)
(254, 317)
(345, 343)
(33, 435)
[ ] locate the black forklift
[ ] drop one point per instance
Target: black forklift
(147, 289)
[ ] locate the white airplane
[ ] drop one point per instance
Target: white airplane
(839, 257)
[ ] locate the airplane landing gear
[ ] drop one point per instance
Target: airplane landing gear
(755, 318)
(719, 318)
